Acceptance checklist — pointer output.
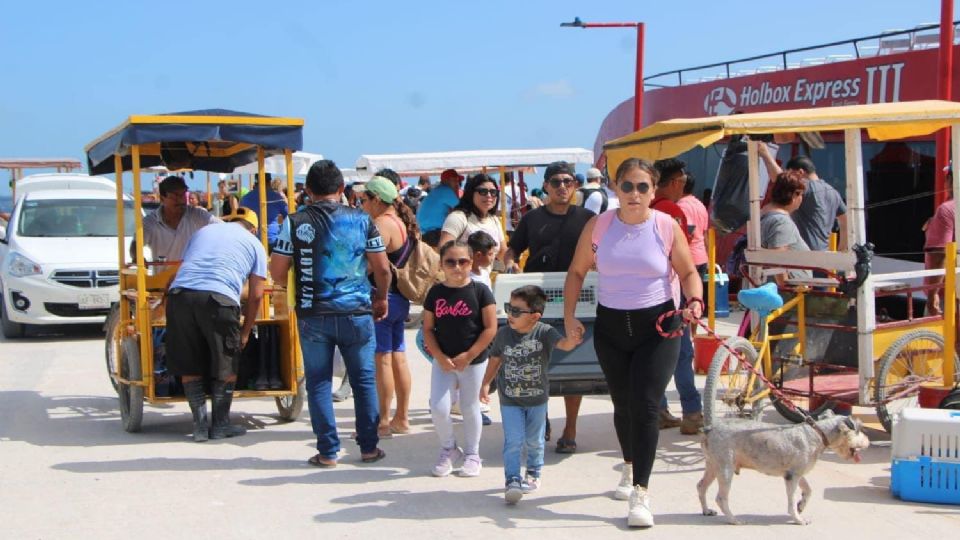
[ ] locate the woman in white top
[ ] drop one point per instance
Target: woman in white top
(476, 211)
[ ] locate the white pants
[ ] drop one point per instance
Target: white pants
(442, 386)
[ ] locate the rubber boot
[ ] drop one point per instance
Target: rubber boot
(198, 406)
(220, 427)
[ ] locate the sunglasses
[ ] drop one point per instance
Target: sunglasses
(566, 181)
(627, 186)
(453, 263)
(514, 311)
(487, 192)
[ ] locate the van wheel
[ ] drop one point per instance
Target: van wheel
(11, 330)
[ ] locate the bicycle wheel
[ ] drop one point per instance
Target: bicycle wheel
(913, 360)
(728, 384)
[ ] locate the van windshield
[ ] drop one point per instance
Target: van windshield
(73, 218)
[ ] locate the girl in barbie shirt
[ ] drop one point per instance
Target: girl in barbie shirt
(459, 322)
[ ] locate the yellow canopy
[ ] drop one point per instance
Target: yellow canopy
(883, 121)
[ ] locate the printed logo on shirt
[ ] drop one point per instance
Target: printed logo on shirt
(306, 233)
(522, 378)
(375, 244)
(460, 309)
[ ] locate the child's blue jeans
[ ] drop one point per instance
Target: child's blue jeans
(523, 428)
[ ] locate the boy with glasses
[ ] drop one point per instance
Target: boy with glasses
(519, 358)
(551, 233)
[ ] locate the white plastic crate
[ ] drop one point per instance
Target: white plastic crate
(552, 284)
(927, 432)
(925, 464)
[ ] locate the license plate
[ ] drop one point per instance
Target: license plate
(93, 301)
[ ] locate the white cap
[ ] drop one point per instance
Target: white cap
(594, 173)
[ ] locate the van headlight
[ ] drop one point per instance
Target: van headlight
(21, 266)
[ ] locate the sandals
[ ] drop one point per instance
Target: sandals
(322, 462)
(377, 455)
(566, 446)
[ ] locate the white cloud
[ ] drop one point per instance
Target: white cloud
(551, 89)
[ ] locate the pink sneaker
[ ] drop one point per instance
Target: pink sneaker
(471, 465)
(448, 456)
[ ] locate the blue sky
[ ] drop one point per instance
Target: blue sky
(380, 77)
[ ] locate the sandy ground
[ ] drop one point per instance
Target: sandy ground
(69, 470)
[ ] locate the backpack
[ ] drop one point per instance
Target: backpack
(664, 229)
(417, 269)
(586, 193)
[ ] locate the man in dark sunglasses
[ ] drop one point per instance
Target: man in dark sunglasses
(551, 233)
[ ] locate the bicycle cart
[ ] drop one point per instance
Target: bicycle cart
(854, 338)
(214, 141)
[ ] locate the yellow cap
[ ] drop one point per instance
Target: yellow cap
(245, 214)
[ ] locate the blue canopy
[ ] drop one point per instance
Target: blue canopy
(215, 140)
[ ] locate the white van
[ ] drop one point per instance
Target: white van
(58, 253)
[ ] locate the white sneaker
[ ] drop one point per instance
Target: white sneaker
(531, 484)
(455, 409)
(514, 492)
(640, 515)
(625, 487)
(471, 466)
(448, 456)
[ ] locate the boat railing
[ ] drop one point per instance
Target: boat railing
(921, 37)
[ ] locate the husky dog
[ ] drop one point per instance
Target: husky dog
(789, 452)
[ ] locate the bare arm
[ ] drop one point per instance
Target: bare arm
(430, 340)
(279, 266)
(379, 266)
(569, 343)
(252, 307)
(773, 169)
(683, 265)
(842, 240)
(582, 262)
(934, 259)
(493, 366)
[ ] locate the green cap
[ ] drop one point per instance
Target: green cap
(382, 188)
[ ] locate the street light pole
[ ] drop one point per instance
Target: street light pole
(638, 82)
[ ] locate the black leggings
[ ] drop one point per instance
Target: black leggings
(638, 364)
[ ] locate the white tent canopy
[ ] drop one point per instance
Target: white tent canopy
(353, 176)
(472, 160)
(277, 164)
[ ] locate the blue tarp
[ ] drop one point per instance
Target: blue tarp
(179, 143)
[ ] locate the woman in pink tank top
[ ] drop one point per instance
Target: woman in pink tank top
(642, 258)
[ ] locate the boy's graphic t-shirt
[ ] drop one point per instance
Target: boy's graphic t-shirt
(458, 315)
(522, 379)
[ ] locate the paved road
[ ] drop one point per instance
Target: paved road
(68, 470)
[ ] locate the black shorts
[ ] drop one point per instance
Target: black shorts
(203, 334)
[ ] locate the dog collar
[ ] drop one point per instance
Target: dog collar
(823, 436)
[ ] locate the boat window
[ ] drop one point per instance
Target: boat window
(73, 218)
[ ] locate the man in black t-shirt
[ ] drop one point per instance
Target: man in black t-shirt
(551, 233)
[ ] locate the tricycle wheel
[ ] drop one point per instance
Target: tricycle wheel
(912, 361)
(112, 343)
(291, 406)
(728, 386)
(131, 396)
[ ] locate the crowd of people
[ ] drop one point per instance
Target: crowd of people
(642, 231)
